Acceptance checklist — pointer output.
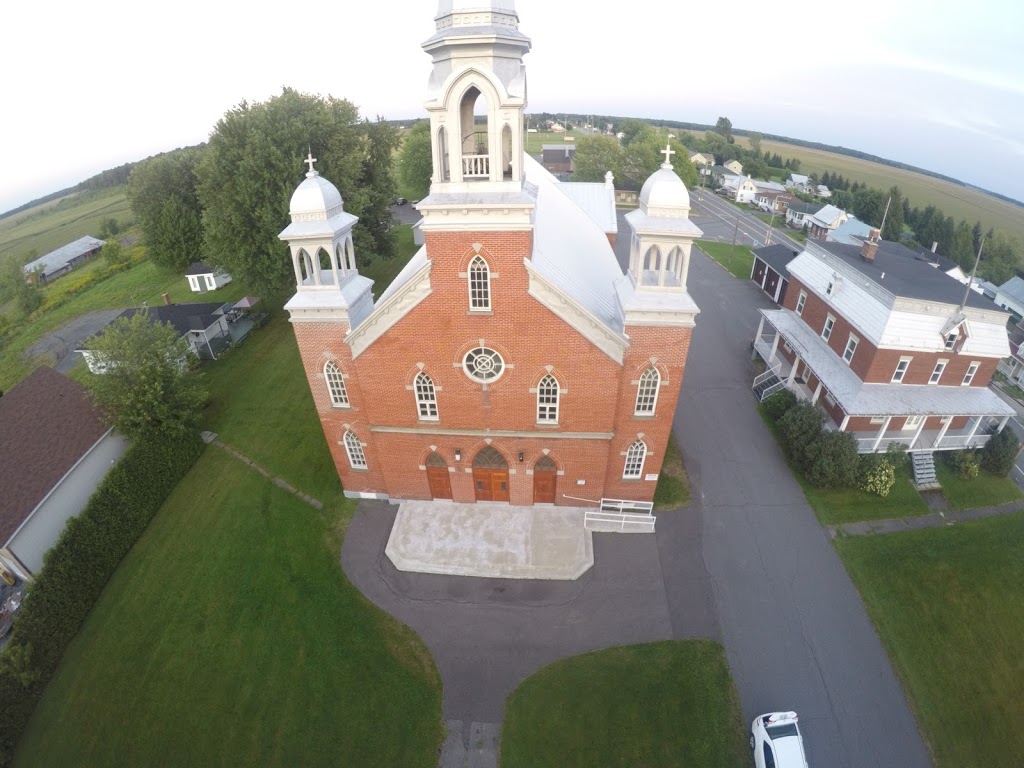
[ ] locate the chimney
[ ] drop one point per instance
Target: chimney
(870, 247)
(935, 246)
(167, 298)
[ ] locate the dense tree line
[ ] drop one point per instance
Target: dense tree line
(632, 161)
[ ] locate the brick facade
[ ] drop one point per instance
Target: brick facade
(596, 422)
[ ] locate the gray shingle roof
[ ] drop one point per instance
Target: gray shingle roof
(777, 257)
(55, 260)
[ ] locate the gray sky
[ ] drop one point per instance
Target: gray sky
(938, 84)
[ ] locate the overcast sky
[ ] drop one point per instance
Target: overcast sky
(938, 84)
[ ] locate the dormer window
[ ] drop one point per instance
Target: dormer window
(951, 339)
(831, 288)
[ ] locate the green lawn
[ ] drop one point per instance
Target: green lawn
(381, 271)
(59, 222)
(230, 636)
(986, 490)
(739, 259)
(662, 704)
(673, 489)
(948, 605)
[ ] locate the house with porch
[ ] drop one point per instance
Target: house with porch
(798, 215)
(740, 189)
(892, 349)
(825, 221)
(773, 201)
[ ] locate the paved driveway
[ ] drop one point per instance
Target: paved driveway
(795, 629)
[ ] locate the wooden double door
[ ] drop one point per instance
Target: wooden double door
(490, 484)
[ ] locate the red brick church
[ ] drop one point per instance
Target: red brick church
(511, 360)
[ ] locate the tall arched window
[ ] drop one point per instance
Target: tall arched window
(336, 385)
(547, 400)
(354, 449)
(647, 393)
(426, 398)
(635, 455)
(479, 285)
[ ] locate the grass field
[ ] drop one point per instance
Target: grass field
(986, 490)
(230, 636)
(954, 200)
(738, 260)
(51, 225)
(657, 705)
(948, 606)
(535, 141)
(673, 489)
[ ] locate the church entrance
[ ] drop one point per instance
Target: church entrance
(438, 477)
(490, 475)
(545, 479)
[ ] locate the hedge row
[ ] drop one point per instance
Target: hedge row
(77, 569)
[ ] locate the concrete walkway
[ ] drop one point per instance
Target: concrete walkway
(935, 520)
(490, 540)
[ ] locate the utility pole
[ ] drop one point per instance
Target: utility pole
(735, 232)
(771, 224)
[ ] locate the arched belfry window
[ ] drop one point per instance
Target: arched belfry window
(647, 393)
(479, 285)
(426, 397)
(475, 130)
(442, 154)
(336, 385)
(354, 449)
(651, 266)
(506, 152)
(635, 455)
(547, 400)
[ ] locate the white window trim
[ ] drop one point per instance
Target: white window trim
(426, 397)
(831, 288)
(829, 399)
(354, 450)
(339, 394)
(940, 368)
(640, 393)
(911, 422)
(854, 341)
(801, 302)
(486, 269)
(902, 374)
(640, 447)
(972, 371)
(878, 420)
(830, 325)
(951, 339)
(543, 408)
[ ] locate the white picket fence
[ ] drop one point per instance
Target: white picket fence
(621, 516)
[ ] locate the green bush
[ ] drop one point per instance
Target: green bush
(832, 460)
(963, 463)
(877, 474)
(778, 404)
(1000, 452)
(799, 427)
(76, 570)
(897, 455)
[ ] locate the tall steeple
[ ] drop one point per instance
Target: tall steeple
(476, 95)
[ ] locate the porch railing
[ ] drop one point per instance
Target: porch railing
(925, 443)
(476, 166)
(622, 516)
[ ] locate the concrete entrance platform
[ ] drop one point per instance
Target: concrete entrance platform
(491, 540)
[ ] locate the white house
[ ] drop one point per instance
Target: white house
(1010, 295)
(740, 188)
(701, 158)
(54, 452)
(799, 182)
(826, 220)
(823, 191)
(798, 215)
(202, 278)
(735, 166)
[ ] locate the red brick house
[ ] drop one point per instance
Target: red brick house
(893, 349)
(511, 360)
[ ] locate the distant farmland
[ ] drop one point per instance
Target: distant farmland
(954, 200)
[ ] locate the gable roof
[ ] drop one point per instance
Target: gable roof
(827, 215)
(198, 268)
(57, 259)
(1014, 288)
(182, 317)
(798, 178)
(805, 208)
(47, 423)
(597, 200)
(777, 257)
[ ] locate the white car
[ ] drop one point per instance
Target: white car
(776, 741)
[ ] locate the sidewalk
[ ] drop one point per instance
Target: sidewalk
(934, 520)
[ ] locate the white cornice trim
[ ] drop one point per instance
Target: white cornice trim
(386, 314)
(600, 335)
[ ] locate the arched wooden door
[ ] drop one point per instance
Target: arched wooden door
(438, 477)
(545, 480)
(490, 475)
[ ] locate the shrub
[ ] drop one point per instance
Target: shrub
(799, 427)
(964, 464)
(77, 569)
(1000, 452)
(877, 474)
(833, 461)
(778, 404)
(897, 455)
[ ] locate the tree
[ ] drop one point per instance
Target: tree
(999, 259)
(869, 205)
(833, 461)
(22, 288)
(162, 191)
(630, 128)
(893, 229)
(595, 156)
(415, 161)
(1000, 452)
(113, 253)
(755, 141)
(961, 250)
(254, 162)
(149, 389)
(756, 168)
(723, 127)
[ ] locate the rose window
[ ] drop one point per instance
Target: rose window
(483, 365)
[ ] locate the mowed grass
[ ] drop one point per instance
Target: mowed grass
(230, 636)
(953, 199)
(986, 490)
(673, 489)
(535, 141)
(662, 704)
(948, 606)
(738, 260)
(50, 225)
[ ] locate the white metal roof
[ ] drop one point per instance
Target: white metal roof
(1014, 288)
(860, 399)
(54, 260)
(597, 200)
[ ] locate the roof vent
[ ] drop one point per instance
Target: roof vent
(870, 247)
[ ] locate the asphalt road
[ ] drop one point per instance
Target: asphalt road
(1017, 425)
(718, 217)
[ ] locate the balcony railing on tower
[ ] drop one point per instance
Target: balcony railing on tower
(476, 166)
